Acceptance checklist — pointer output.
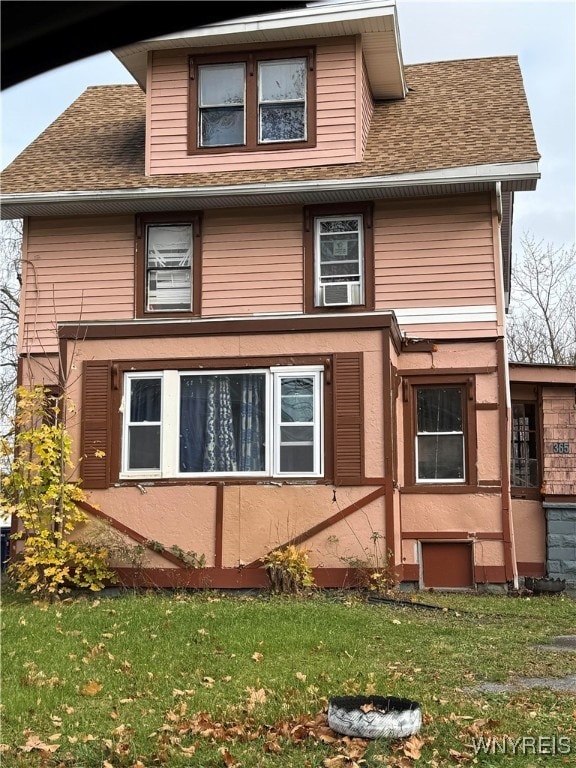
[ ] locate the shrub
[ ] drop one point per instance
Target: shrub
(288, 569)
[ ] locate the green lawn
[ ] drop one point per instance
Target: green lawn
(210, 680)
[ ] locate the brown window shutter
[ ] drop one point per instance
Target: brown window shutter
(348, 419)
(95, 471)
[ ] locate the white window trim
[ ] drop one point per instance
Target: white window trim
(441, 480)
(361, 256)
(125, 410)
(288, 372)
(170, 422)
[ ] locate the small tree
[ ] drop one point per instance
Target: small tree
(10, 258)
(39, 493)
(542, 319)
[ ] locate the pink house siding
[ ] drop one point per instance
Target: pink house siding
(367, 106)
(76, 269)
(252, 262)
(434, 253)
(337, 139)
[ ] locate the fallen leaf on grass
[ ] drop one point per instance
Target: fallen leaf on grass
(257, 656)
(413, 747)
(255, 697)
(91, 688)
(301, 676)
(229, 759)
(35, 743)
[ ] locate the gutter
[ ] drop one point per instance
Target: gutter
(490, 173)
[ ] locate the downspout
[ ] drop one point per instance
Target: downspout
(505, 411)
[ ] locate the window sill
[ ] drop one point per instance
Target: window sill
(281, 146)
(447, 488)
(124, 482)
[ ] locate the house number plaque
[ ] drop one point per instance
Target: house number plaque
(560, 448)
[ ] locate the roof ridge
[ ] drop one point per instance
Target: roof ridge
(459, 61)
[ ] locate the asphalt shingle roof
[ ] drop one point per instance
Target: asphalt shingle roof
(457, 113)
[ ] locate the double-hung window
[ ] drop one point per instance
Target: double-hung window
(339, 257)
(440, 449)
(168, 264)
(339, 251)
(258, 422)
(260, 100)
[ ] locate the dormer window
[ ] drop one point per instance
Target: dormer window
(248, 101)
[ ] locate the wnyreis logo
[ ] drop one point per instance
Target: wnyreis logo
(525, 745)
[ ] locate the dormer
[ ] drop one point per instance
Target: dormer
(286, 89)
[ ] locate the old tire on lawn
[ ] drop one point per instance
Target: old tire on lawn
(374, 717)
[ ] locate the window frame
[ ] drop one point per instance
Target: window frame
(170, 422)
(467, 387)
(314, 214)
(528, 491)
(142, 223)
(251, 60)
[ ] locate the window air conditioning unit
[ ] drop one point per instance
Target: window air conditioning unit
(338, 294)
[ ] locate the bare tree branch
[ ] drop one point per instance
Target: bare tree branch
(542, 318)
(10, 266)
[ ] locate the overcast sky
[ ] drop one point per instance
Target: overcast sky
(542, 33)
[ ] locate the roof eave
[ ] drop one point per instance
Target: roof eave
(513, 177)
(374, 20)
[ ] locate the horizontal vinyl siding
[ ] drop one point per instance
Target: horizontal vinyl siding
(434, 253)
(76, 269)
(252, 261)
(367, 107)
(336, 117)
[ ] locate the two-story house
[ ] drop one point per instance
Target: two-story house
(274, 274)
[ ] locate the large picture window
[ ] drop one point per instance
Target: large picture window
(257, 422)
(263, 100)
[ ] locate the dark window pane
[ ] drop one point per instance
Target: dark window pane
(439, 409)
(296, 435)
(222, 423)
(298, 458)
(144, 447)
(335, 226)
(279, 122)
(337, 247)
(524, 448)
(222, 126)
(440, 457)
(145, 399)
(297, 400)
